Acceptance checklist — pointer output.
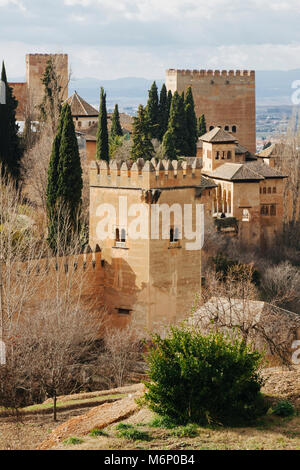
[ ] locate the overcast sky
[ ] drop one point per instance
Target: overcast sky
(109, 39)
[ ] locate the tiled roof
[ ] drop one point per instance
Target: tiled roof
(80, 107)
(264, 170)
(207, 183)
(235, 172)
(218, 135)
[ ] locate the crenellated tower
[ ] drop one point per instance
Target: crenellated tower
(227, 98)
(155, 276)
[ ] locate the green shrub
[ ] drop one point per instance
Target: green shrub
(163, 422)
(284, 409)
(203, 379)
(73, 441)
(123, 426)
(190, 430)
(132, 434)
(97, 433)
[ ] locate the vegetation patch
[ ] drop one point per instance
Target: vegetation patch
(284, 409)
(204, 379)
(127, 431)
(97, 433)
(73, 441)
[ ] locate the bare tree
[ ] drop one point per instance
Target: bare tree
(122, 354)
(231, 305)
(281, 284)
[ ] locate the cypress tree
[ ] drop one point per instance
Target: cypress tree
(102, 133)
(64, 179)
(169, 102)
(169, 146)
(116, 129)
(142, 145)
(201, 126)
(69, 185)
(191, 123)
(163, 112)
(10, 145)
(178, 125)
(152, 110)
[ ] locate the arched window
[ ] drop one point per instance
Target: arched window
(227, 128)
(234, 129)
(211, 128)
(264, 190)
(117, 235)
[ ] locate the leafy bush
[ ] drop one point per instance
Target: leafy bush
(204, 379)
(284, 409)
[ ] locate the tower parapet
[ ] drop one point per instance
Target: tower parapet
(144, 174)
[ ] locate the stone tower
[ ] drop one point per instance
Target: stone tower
(227, 98)
(31, 92)
(155, 279)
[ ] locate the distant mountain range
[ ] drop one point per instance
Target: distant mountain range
(273, 87)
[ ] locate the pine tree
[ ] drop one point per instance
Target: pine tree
(10, 145)
(201, 126)
(142, 145)
(169, 146)
(64, 187)
(102, 133)
(191, 123)
(163, 112)
(116, 129)
(152, 110)
(178, 125)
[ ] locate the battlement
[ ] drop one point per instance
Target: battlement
(46, 55)
(211, 73)
(87, 261)
(145, 174)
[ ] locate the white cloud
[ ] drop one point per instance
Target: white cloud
(18, 3)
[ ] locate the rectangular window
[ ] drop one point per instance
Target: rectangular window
(123, 311)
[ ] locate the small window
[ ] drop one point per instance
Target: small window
(227, 128)
(123, 235)
(117, 235)
(211, 128)
(264, 190)
(79, 123)
(246, 215)
(234, 129)
(223, 156)
(229, 155)
(218, 156)
(274, 190)
(269, 190)
(123, 311)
